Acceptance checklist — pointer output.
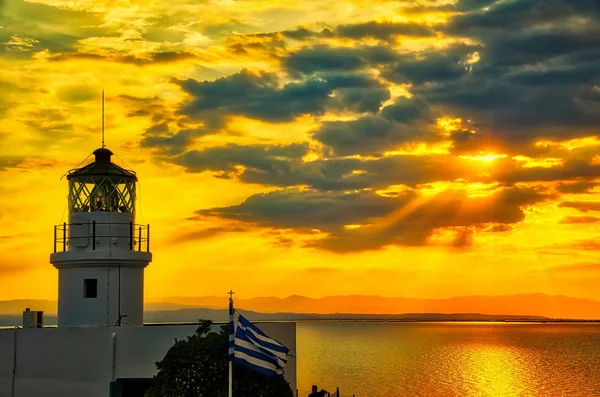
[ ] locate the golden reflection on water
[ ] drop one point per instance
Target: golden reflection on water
(493, 370)
(453, 360)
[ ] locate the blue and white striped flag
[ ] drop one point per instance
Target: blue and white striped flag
(250, 347)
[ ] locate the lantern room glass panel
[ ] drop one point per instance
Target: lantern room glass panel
(102, 193)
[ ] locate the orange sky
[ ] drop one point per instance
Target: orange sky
(393, 148)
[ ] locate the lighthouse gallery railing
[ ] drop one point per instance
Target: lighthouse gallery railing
(137, 235)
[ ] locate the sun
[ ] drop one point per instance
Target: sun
(487, 158)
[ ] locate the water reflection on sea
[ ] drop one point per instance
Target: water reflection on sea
(450, 359)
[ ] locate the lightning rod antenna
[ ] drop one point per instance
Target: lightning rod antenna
(102, 119)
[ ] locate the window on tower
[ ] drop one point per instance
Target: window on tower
(90, 288)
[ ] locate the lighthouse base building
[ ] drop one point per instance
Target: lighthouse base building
(100, 255)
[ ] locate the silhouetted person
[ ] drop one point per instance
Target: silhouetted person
(316, 393)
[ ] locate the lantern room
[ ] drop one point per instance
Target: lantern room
(102, 186)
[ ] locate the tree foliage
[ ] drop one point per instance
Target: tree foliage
(198, 367)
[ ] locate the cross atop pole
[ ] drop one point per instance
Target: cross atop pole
(230, 293)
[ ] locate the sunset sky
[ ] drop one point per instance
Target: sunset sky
(394, 148)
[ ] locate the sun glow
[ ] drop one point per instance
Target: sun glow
(486, 158)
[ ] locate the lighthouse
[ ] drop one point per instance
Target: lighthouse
(101, 253)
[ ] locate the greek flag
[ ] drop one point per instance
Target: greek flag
(250, 347)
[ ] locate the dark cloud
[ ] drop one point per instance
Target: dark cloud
(147, 106)
(283, 166)
(383, 31)
(327, 59)
(256, 160)
(433, 66)
(371, 135)
(288, 169)
(511, 172)
(308, 209)
(583, 206)
(579, 187)
(406, 219)
(408, 110)
(462, 239)
(386, 31)
(52, 122)
(7, 162)
(146, 59)
(579, 219)
(459, 6)
(414, 223)
(499, 228)
(503, 15)
(407, 120)
(587, 245)
(34, 27)
(161, 138)
(11, 162)
(260, 96)
(529, 55)
(206, 233)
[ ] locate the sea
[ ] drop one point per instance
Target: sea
(379, 359)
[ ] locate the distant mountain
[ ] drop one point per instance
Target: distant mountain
(539, 305)
(17, 306)
(222, 316)
(521, 304)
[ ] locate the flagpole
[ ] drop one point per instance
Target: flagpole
(230, 338)
(230, 378)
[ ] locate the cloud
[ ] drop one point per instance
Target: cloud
(414, 223)
(7, 162)
(499, 228)
(306, 209)
(587, 245)
(259, 95)
(583, 206)
(375, 134)
(544, 63)
(503, 15)
(206, 233)
(437, 66)
(408, 218)
(138, 60)
(579, 187)
(227, 160)
(52, 122)
(382, 31)
(386, 31)
(463, 239)
(254, 95)
(367, 135)
(29, 27)
(579, 219)
(511, 172)
(323, 58)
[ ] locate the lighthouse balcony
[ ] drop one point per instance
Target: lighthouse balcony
(95, 236)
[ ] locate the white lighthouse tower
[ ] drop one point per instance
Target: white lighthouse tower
(101, 253)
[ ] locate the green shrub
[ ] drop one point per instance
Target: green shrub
(198, 367)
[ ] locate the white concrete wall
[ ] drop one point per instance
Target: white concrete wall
(76, 310)
(59, 362)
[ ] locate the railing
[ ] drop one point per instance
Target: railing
(135, 236)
